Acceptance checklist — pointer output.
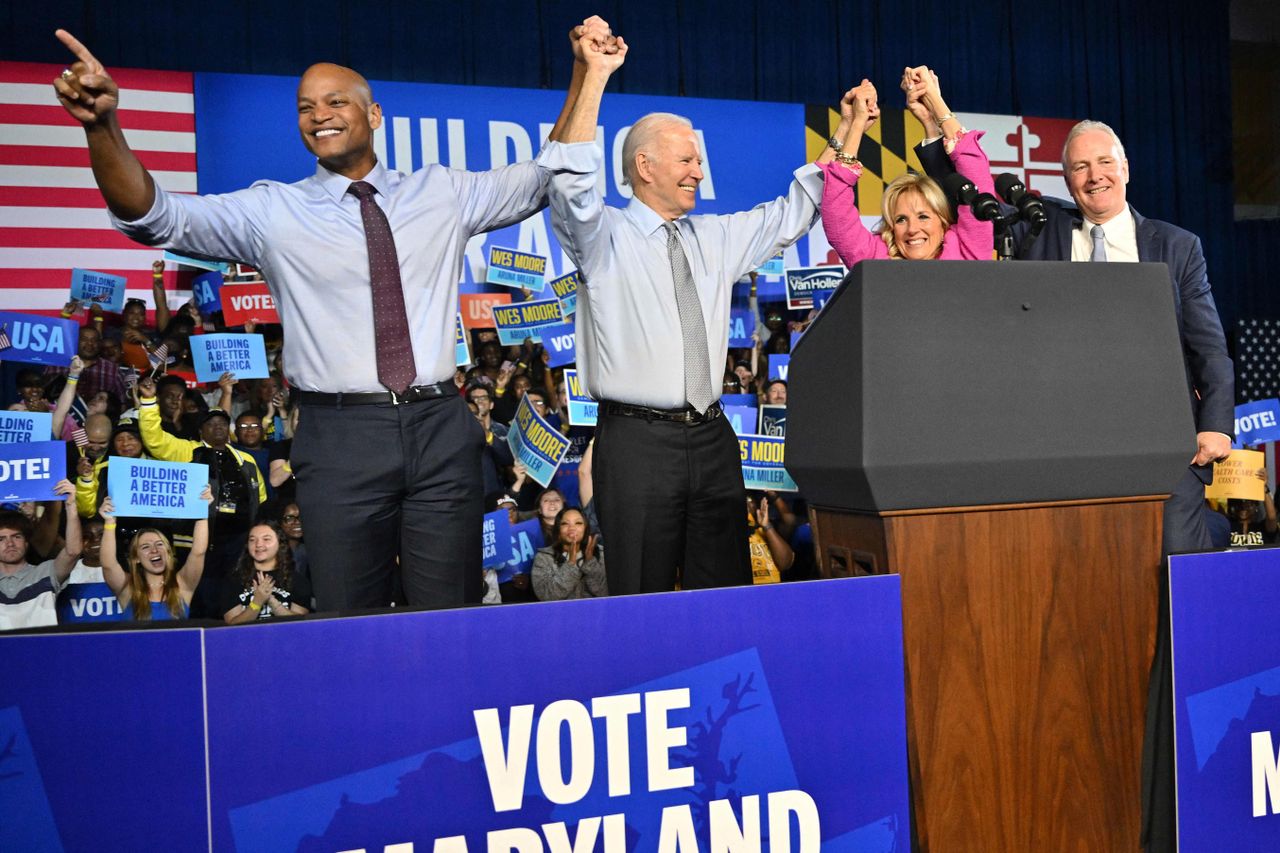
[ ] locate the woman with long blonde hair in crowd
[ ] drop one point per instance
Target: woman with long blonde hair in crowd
(153, 587)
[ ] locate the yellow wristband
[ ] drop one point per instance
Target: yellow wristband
(255, 606)
(111, 526)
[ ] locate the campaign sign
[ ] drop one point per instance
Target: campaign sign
(525, 538)
(795, 339)
(461, 343)
(738, 399)
(741, 324)
(493, 538)
(199, 263)
(477, 308)
(98, 288)
(87, 598)
(1226, 681)
(583, 409)
(536, 443)
(526, 320)
(560, 342)
(566, 290)
(39, 340)
(28, 472)
(206, 289)
(778, 366)
(250, 302)
(23, 427)
(804, 282)
(511, 268)
(773, 266)
(762, 463)
(743, 419)
(1242, 475)
(1257, 423)
(243, 355)
(146, 488)
(773, 421)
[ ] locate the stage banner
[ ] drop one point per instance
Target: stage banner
(561, 343)
(146, 488)
(566, 290)
(652, 718)
(243, 355)
(249, 302)
(535, 442)
(38, 340)
(521, 270)
(1257, 423)
(523, 321)
(23, 427)
(480, 128)
(124, 714)
(99, 288)
(28, 472)
(1226, 680)
(762, 463)
(583, 409)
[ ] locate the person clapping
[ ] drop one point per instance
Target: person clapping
(570, 567)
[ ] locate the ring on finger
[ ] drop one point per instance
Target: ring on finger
(67, 74)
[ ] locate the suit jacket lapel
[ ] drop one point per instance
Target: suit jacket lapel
(1148, 238)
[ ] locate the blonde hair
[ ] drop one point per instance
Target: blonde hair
(912, 182)
(139, 592)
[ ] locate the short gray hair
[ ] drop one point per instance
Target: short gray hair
(641, 138)
(1085, 127)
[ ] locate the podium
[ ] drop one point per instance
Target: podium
(1002, 436)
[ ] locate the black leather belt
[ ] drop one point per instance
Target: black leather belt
(388, 398)
(680, 416)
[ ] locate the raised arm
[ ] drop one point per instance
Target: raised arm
(87, 92)
(68, 396)
(841, 219)
(594, 31)
(112, 572)
(72, 544)
(158, 294)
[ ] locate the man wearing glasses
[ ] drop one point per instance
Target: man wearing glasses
(496, 456)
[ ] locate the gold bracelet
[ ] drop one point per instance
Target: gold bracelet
(849, 160)
(941, 119)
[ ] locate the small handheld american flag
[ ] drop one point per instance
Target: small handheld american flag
(158, 357)
(5, 343)
(81, 439)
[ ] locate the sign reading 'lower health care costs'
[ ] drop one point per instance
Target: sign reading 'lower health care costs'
(526, 320)
(243, 355)
(517, 269)
(28, 472)
(762, 463)
(536, 443)
(145, 488)
(98, 288)
(804, 283)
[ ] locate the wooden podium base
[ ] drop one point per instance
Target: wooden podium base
(1029, 631)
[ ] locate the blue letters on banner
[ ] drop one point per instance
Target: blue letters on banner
(773, 421)
(738, 399)
(207, 290)
(773, 266)
(28, 472)
(1226, 678)
(243, 355)
(566, 290)
(778, 366)
(526, 320)
(1257, 423)
(525, 538)
(536, 443)
(146, 488)
(98, 288)
(583, 409)
(511, 268)
(559, 341)
(804, 283)
(39, 340)
(461, 343)
(743, 419)
(199, 263)
(762, 463)
(23, 427)
(494, 538)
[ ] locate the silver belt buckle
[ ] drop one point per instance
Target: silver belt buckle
(395, 399)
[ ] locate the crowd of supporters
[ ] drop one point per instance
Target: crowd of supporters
(131, 392)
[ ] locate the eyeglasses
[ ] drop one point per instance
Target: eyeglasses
(539, 403)
(479, 398)
(291, 518)
(249, 426)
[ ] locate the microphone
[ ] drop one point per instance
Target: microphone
(961, 192)
(1013, 191)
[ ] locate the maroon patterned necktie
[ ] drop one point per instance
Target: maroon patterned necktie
(396, 369)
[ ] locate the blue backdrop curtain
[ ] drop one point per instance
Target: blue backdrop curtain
(1158, 72)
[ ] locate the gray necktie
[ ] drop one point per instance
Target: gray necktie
(1099, 252)
(693, 330)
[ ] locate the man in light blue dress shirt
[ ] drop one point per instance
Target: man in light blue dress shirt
(667, 470)
(385, 477)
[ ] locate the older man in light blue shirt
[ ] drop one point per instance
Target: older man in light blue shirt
(652, 334)
(363, 263)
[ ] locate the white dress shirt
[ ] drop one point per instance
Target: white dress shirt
(628, 327)
(1120, 236)
(307, 239)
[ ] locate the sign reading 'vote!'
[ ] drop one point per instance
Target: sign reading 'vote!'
(249, 302)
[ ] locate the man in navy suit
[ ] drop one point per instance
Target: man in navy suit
(1101, 226)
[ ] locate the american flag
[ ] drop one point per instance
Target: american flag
(52, 217)
(80, 437)
(5, 343)
(159, 357)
